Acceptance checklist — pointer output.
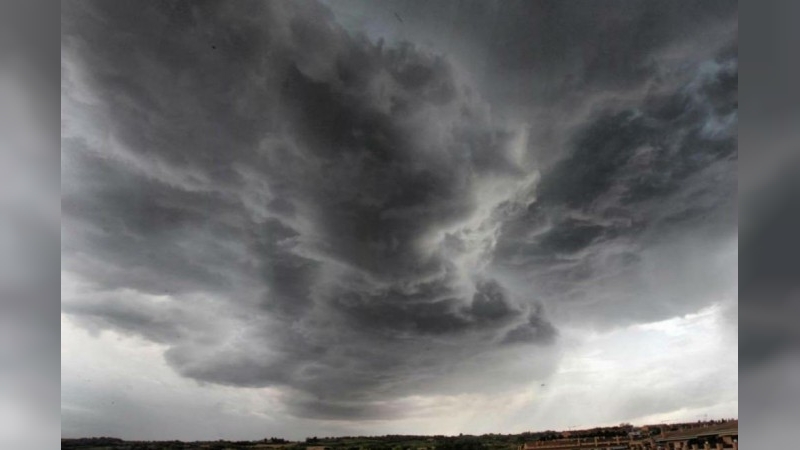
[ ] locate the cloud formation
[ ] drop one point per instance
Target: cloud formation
(329, 198)
(283, 203)
(636, 189)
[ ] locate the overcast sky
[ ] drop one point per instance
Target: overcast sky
(354, 217)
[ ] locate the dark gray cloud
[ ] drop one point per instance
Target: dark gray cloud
(631, 183)
(282, 203)
(525, 54)
(256, 161)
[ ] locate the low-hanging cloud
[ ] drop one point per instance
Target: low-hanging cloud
(282, 203)
(643, 197)
(328, 198)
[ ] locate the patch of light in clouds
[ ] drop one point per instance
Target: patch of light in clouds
(140, 397)
(690, 357)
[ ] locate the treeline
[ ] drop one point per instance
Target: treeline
(390, 442)
(102, 441)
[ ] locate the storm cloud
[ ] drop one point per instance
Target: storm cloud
(280, 201)
(637, 192)
(311, 197)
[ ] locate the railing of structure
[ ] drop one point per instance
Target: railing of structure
(578, 443)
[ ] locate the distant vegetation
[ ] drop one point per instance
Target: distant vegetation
(388, 442)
